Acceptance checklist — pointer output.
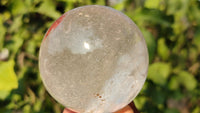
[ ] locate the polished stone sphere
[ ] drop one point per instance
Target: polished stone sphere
(93, 59)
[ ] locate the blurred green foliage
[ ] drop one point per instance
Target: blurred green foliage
(171, 29)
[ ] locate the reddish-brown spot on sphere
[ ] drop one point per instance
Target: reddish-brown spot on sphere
(54, 25)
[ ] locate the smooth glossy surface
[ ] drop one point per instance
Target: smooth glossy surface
(93, 60)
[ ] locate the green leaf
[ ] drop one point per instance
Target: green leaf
(152, 4)
(183, 78)
(4, 94)
(48, 8)
(187, 80)
(100, 2)
(148, 17)
(27, 108)
(140, 101)
(8, 79)
(173, 83)
(159, 72)
(193, 54)
(162, 49)
(180, 6)
(196, 40)
(2, 32)
(31, 48)
(118, 5)
(196, 110)
(16, 25)
(173, 6)
(151, 44)
(18, 7)
(38, 105)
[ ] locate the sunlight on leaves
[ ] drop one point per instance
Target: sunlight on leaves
(8, 78)
(162, 49)
(49, 9)
(159, 72)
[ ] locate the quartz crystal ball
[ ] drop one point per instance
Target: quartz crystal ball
(93, 59)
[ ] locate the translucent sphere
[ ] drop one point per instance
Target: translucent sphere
(93, 59)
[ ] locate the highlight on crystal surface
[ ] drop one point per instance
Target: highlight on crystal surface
(93, 59)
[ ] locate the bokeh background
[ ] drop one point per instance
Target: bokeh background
(171, 29)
